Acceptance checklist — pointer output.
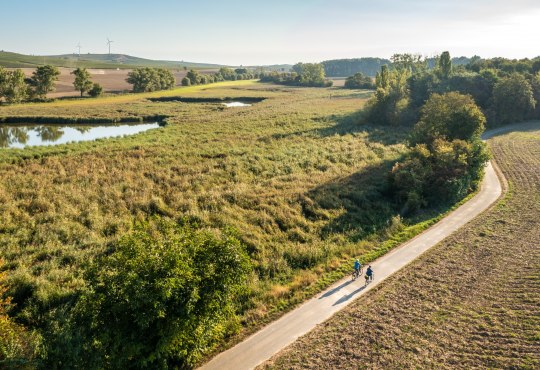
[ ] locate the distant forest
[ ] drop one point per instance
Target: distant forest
(370, 66)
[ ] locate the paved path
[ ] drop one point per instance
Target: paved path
(282, 332)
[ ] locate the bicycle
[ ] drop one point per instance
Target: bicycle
(357, 273)
(369, 279)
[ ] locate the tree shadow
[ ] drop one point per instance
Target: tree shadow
(362, 199)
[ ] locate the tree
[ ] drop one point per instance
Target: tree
(194, 77)
(359, 81)
(186, 81)
(166, 79)
(96, 90)
(447, 156)
(160, 297)
(144, 79)
(513, 99)
(43, 79)
(450, 116)
(310, 74)
(13, 86)
(444, 65)
(83, 80)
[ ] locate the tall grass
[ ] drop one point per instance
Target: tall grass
(299, 179)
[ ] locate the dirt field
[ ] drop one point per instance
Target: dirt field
(112, 80)
(471, 302)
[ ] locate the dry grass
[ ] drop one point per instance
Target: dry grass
(471, 302)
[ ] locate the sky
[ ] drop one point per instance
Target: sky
(242, 32)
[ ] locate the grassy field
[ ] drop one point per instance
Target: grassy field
(301, 182)
(471, 302)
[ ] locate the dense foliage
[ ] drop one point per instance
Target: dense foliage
(447, 156)
(43, 79)
(83, 80)
(304, 74)
(151, 79)
(505, 90)
(359, 81)
(13, 87)
(159, 298)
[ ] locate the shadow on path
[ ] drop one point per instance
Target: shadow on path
(336, 289)
(346, 297)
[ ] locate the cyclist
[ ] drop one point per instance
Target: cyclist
(357, 266)
(369, 274)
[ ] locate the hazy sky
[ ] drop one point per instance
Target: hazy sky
(272, 31)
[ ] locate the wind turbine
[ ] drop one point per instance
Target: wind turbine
(79, 47)
(109, 42)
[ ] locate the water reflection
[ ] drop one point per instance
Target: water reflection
(20, 136)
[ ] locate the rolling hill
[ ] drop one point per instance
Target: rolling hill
(15, 60)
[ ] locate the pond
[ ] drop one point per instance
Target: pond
(236, 104)
(23, 135)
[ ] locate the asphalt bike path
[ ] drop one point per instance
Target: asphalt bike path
(268, 341)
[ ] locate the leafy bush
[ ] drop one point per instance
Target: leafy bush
(447, 156)
(186, 81)
(151, 79)
(162, 295)
(96, 90)
(359, 81)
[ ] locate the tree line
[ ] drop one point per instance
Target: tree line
(505, 90)
(449, 107)
(303, 74)
(15, 87)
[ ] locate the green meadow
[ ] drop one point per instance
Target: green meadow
(296, 177)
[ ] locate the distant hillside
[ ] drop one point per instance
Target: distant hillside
(14, 60)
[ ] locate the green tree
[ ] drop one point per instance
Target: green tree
(359, 81)
(13, 87)
(448, 116)
(144, 79)
(310, 74)
(96, 90)
(513, 99)
(166, 79)
(194, 77)
(444, 65)
(447, 156)
(83, 80)
(186, 81)
(43, 79)
(160, 298)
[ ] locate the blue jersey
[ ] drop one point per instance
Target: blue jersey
(369, 272)
(357, 265)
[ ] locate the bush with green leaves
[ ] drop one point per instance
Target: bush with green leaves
(96, 90)
(513, 99)
(359, 81)
(447, 156)
(151, 79)
(43, 79)
(160, 297)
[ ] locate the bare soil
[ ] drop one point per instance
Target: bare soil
(471, 302)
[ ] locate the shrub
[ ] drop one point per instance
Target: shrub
(96, 90)
(162, 295)
(186, 81)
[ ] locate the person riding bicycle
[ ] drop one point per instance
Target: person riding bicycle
(369, 273)
(357, 266)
